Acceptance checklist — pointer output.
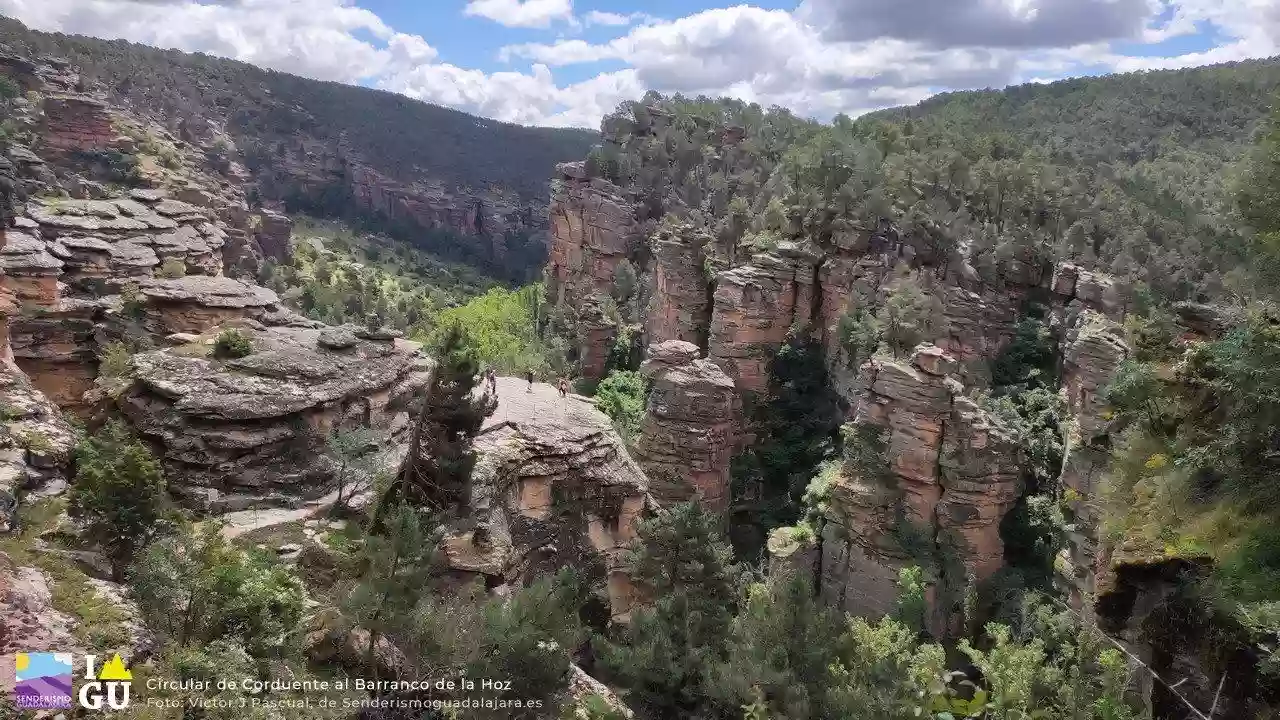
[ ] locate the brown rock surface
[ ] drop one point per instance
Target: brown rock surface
(680, 308)
(1093, 349)
(755, 308)
(76, 123)
(248, 432)
(950, 477)
(554, 487)
(274, 236)
(692, 427)
(592, 230)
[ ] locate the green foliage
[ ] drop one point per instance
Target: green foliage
(441, 456)
(355, 453)
(503, 326)
(779, 648)
(908, 318)
(664, 659)
(132, 304)
(232, 343)
(116, 360)
(118, 493)
(172, 268)
(866, 452)
(196, 588)
(1027, 362)
(397, 564)
(859, 336)
(621, 396)
(911, 607)
(798, 420)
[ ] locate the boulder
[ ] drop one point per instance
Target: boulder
(249, 432)
(553, 487)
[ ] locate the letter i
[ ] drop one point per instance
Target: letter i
(90, 672)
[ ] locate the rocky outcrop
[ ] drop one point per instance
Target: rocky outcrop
(692, 427)
(196, 303)
(936, 480)
(76, 123)
(681, 304)
(553, 488)
(593, 229)
(35, 444)
(755, 307)
(248, 432)
(1092, 351)
(274, 236)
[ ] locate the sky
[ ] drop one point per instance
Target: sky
(567, 62)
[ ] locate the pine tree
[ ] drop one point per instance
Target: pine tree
(438, 469)
(119, 493)
(663, 661)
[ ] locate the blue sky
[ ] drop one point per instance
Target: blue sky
(566, 62)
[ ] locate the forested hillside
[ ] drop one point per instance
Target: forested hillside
(397, 135)
(1130, 174)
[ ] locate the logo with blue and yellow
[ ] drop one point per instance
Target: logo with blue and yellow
(44, 680)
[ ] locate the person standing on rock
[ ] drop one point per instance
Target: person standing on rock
(528, 375)
(491, 379)
(564, 387)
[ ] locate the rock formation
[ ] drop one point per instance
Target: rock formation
(935, 498)
(681, 305)
(248, 432)
(274, 236)
(593, 229)
(1093, 349)
(692, 427)
(755, 307)
(76, 123)
(554, 487)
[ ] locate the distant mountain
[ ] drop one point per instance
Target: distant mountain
(342, 150)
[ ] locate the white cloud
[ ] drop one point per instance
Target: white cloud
(522, 13)
(765, 56)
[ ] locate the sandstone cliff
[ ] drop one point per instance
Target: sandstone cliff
(936, 480)
(692, 427)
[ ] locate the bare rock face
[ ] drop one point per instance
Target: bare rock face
(592, 229)
(948, 479)
(553, 488)
(1093, 350)
(755, 307)
(692, 427)
(28, 620)
(35, 443)
(195, 303)
(76, 123)
(248, 432)
(680, 308)
(275, 236)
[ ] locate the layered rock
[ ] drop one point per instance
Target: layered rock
(681, 304)
(945, 480)
(76, 123)
(1092, 351)
(553, 488)
(593, 229)
(195, 303)
(274, 236)
(755, 307)
(35, 443)
(249, 432)
(692, 427)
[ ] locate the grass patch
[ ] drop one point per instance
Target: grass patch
(100, 624)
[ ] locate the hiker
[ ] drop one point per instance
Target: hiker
(491, 379)
(564, 387)
(529, 376)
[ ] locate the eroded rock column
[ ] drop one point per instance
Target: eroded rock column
(692, 426)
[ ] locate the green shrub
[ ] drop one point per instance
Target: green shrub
(172, 268)
(232, 343)
(116, 360)
(621, 396)
(119, 494)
